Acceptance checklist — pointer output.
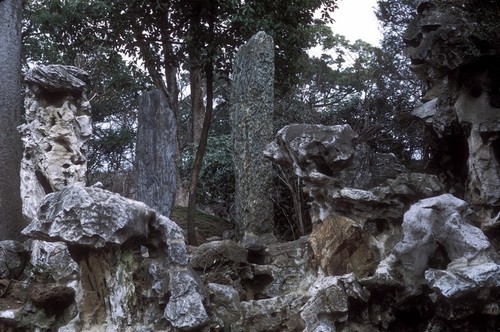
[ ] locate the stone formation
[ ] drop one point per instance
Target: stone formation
(390, 249)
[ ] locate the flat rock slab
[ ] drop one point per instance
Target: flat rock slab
(58, 78)
(90, 217)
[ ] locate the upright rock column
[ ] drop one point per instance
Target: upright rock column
(155, 174)
(55, 136)
(252, 112)
(56, 133)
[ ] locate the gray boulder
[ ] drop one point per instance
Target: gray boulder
(13, 259)
(440, 222)
(114, 240)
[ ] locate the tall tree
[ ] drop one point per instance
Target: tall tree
(11, 219)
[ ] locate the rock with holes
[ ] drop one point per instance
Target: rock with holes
(56, 133)
(322, 154)
(281, 268)
(441, 222)
(357, 196)
(458, 60)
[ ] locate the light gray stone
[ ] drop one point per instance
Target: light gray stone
(225, 304)
(56, 133)
(440, 221)
(76, 216)
(185, 309)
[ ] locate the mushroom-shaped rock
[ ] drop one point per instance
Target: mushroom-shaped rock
(331, 154)
(114, 241)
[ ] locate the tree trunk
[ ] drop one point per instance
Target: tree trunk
(198, 160)
(197, 106)
(199, 112)
(11, 220)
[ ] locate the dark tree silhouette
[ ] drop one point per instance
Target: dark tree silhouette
(11, 219)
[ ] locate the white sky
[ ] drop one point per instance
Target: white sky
(355, 19)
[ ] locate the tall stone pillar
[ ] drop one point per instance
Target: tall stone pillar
(11, 219)
(56, 133)
(155, 168)
(252, 100)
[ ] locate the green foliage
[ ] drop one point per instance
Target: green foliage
(95, 35)
(216, 183)
(293, 26)
(74, 33)
(372, 89)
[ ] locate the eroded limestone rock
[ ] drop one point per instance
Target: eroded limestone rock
(458, 59)
(329, 302)
(441, 222)
(122, 260)
(224, 304)
(358, 196)
(55, 135)
(73, 215)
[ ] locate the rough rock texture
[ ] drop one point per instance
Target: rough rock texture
(320, 154)
(13, 259)
(155, 168)
(457, 57)
(72, 215)
(441, 223)
(340, 246)
(358, 196)
(252, 100)
(134, 242)
(369, 271)
(55, 135)
(390, 250)
(53, 259)
(126, 267)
